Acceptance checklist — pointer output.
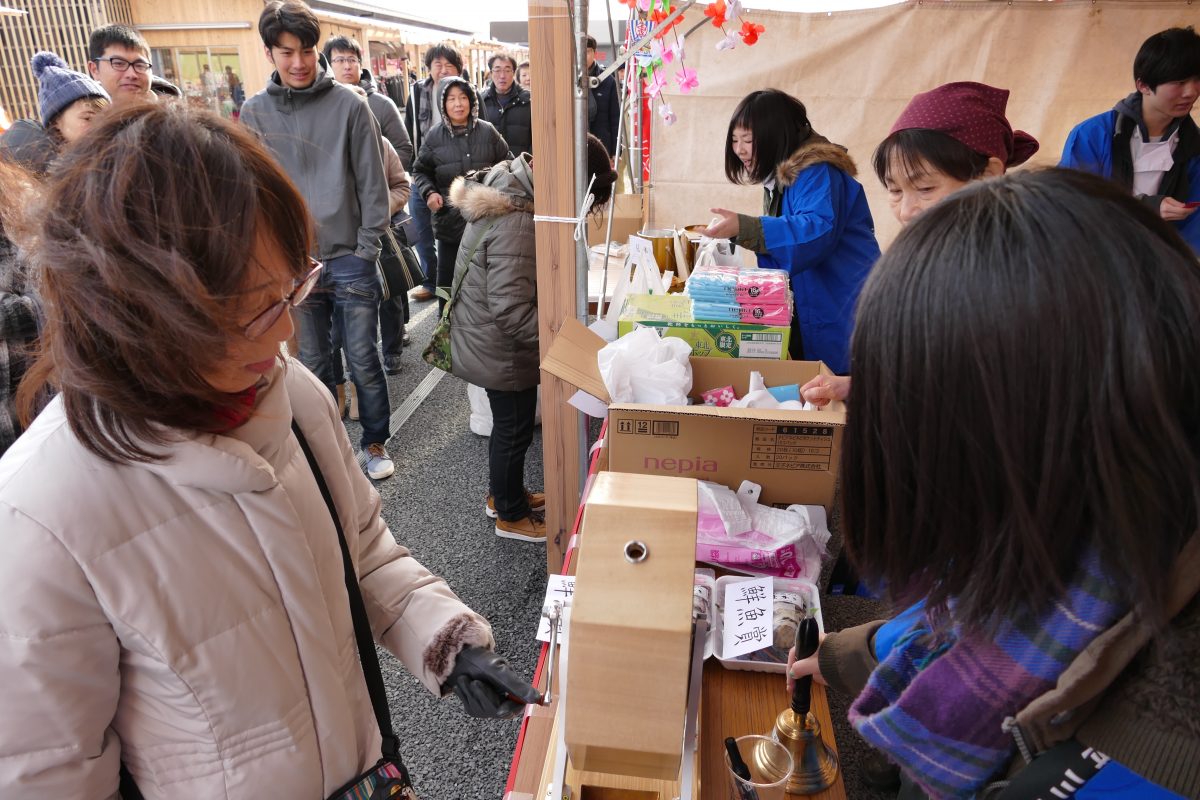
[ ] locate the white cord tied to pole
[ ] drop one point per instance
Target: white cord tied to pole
(580, 221)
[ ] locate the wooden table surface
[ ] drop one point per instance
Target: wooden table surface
(737, 703)
(734, 703)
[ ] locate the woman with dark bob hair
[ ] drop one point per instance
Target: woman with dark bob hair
(815, 222)
(1023, 456)
(173, 594)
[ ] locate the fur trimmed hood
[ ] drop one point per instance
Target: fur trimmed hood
(504, 189)
(816, 150)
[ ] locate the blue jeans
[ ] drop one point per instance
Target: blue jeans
(422, 239)
(393, 316)
(351, 285)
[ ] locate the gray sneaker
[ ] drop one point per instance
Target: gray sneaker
(379, 463)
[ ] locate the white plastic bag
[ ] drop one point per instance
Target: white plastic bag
(481, 410)
(640, 367)
(716, 252)
(641, 276)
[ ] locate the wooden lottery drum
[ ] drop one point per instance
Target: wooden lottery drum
(631, 623)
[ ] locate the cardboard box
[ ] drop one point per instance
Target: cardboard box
(793, 455)
(631, 627)
(627, 220)
(671, 315)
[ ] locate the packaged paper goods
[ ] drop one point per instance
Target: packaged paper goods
(671, 315)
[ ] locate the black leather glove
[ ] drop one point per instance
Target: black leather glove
(486, 686)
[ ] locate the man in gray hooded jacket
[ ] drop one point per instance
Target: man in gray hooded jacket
(327, 141)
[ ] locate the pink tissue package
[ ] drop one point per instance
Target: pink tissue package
(719, 397)
(736, 532)
(793, 560)
(762, 287)
(762, 314)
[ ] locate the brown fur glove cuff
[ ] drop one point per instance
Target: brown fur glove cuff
(465, 630)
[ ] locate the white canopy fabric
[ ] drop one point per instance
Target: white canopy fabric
(856, 70)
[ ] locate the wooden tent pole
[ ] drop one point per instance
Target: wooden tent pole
(550, 57)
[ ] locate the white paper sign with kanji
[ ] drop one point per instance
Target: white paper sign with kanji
(746, 621)
(562, 589)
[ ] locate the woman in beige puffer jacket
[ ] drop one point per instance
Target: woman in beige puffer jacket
(172, 594)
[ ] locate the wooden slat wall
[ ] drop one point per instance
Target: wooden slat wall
(62, 27)
(554, 171)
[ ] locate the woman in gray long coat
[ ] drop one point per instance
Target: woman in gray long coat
(494, 323)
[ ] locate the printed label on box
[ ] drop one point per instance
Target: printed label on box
(761, 345)
(746, 619)
(797, 447)
(662, 427)
(562, 589)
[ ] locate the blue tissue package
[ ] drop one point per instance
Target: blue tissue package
(785, 393)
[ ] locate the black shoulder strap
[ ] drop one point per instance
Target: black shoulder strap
(358, 612)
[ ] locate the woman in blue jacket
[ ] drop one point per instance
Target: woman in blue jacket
(815, 223)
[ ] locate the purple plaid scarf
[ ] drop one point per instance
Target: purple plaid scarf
(937, 709)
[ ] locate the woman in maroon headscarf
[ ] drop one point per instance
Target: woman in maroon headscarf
(944, 139)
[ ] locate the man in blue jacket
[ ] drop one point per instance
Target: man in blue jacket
(327, 141)
(1149, 143)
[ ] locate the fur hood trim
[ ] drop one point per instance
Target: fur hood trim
(490, 195)
(816, 150)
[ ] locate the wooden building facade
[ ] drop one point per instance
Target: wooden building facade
(208, 48)
(62, 27)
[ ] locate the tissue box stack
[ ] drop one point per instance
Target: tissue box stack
(751, 296)
(672, 315)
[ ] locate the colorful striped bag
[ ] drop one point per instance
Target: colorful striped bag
(385, 782)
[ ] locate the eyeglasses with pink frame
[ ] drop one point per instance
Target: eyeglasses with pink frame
(300, 292)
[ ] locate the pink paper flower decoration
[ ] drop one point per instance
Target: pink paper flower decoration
(687, 80)
(673, 52)
(668, 116)
(657, 84)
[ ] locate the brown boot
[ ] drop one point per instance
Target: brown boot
(536, 500)
(341, 399)
(530, 529)
(353, 395)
